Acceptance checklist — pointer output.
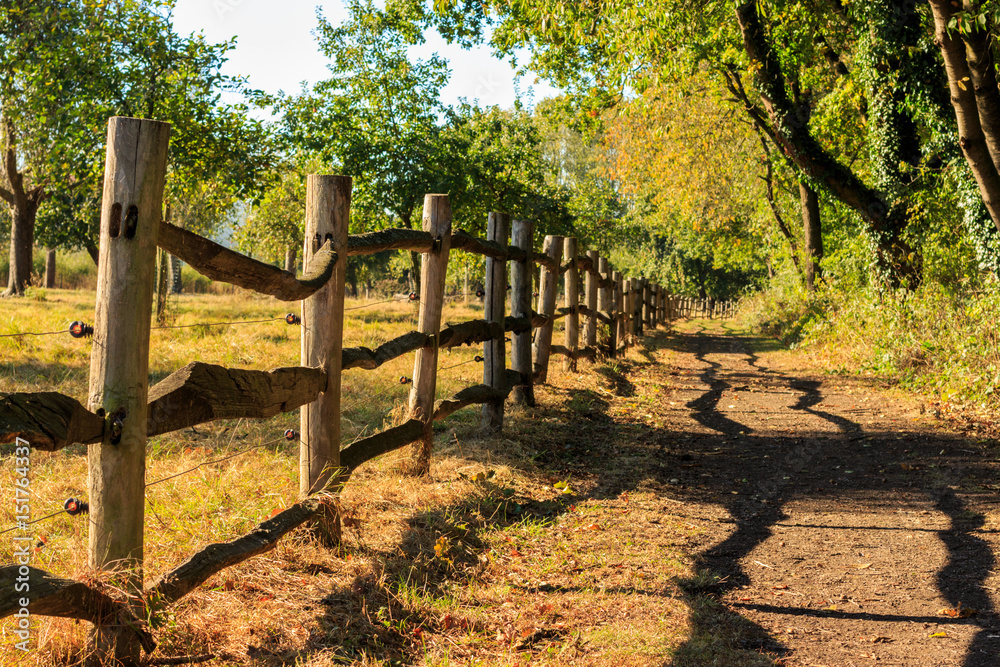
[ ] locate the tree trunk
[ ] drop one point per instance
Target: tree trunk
(812, 232)
(290, 256)
(971, 136)
(50, 268)
(22, 241)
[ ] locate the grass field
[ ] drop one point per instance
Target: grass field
(432, 571)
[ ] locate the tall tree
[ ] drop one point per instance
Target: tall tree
(377, 117)
(66, 67)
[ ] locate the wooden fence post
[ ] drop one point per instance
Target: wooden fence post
(433, 270)
(571, 300)
(131, 209)
(590, 334)
(521, 286)
(548, 284)
(328, 217)
(606, 302)
(494, 310)
(618, 323)
(647, 305)
(619, 299)
(637, 321)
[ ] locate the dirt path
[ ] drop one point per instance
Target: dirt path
(841, 522)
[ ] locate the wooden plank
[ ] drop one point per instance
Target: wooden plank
(217, 262)
(213, 558)
(49, 421)
(571, 300)
(522, 236)
(434, 269)
(552, 248)
(131, 211)
(389, 239)
(200, 393)
(494, 310)
(328, 217)
(50, 595)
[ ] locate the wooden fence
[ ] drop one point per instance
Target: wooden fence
(679, 307)
(124, 412)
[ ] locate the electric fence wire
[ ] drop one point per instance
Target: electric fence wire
(164, 479)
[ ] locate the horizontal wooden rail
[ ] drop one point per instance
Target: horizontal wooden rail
(49, 421)
(220, 263)
(369, 360)
(66, 598)
(389, 239)
(197, 569)
(411, 431)
(200, 393)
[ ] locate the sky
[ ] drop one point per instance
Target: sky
(277, 50)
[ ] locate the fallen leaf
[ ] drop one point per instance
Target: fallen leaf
(832, 607)
(939, 634)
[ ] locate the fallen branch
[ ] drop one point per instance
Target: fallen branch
(219, 263)
(47, 420)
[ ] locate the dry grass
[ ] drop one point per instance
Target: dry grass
(503, 556)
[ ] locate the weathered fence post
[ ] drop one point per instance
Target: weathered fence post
(131, 209)
(619, 321)
(637, 320)
(647, 305)
(328, 217)
(521, 286)
(466, 285)
(548, 283)
(495, 351)
(590, 335)
(605, 301)
(571, 300)
(618, 324)
(434, 268)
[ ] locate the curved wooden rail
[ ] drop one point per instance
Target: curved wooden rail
(220, 263)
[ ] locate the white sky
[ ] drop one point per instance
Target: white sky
(277, 51)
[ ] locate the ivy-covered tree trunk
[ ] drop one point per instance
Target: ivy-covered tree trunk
(894, 258)
(812, 233)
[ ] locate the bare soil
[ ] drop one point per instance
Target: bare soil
(844, 523)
